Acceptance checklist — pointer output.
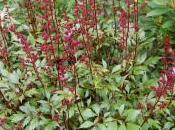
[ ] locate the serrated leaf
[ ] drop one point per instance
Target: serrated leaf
(111, 126)
(17, 117)
(4, 72)
(104, 63)
(154, 123)
(137, 70)
(121, 109)
(21, 98)
(132, 126)
(31, 92)
(141, 58)
(96, 108)
(14, 78)
(132, 115)
(56, 99)
(152, 60)
(151, 82)
(157, 12)
(51, 126)
(116, 68)
(88, 113)
(160, 2)
(26, 121)
(167, 24)
(31, 39)
(4, 85)
(168, 125)
(86, 124)
(100, 127)
(33, 124)
(27, 108)
(122, 127)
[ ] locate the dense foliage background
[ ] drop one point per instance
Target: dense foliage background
(87, 64)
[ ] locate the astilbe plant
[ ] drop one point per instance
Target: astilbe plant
(128, 23)
(61, 82)
(3, 38)
(166, 83)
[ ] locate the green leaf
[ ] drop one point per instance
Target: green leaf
(160, 2)
(132, 115)
(86, 124)
(14, 78)
(154, 123)
(168, 125)
(31, 39)
(17, 117)
(122, 127)
(152, 60)
(96, 108)
(4, 72)
(21, 98)
(141, 58)
(131, 126)
(151, 82)
(28, 109)
(121, 109)
(31, 92)
(1, 65)
(111, 126)
(33, 124)
(167, 24)
(51, 126)
(4, 85)
(87, 113)
(26, 121)
(100, 127)
(137, 70)
(157, 12)
(55, 99)
(104, 63)
(116, 68)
